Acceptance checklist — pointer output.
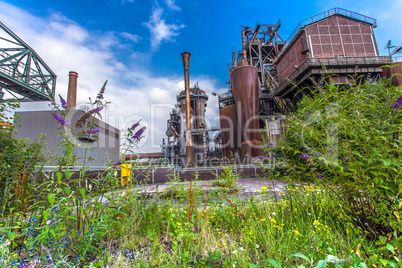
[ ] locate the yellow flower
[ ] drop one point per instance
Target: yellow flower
(273, 220)
(263, 219)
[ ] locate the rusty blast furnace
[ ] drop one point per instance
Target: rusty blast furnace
(269, 75)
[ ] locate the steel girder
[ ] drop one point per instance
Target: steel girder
(24, 76)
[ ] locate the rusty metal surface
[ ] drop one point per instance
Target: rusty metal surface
(72, 90)
(388, 72)
(230, 132)
(245, 88)
(189, 149)
(251, 148)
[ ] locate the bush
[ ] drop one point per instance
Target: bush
(351, 136)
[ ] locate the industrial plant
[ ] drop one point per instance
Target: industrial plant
(268, 76)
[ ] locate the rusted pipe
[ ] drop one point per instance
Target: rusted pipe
(72, 90)
(189, 147)
(243, 39)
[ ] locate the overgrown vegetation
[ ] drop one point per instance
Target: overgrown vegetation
(342, 147)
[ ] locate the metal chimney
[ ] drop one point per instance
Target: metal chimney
(189, 148)
(72, 90)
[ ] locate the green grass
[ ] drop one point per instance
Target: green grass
(264, 231)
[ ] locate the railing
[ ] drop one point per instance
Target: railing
(329, 13)
(339, 61)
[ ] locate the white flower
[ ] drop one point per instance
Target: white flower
(241, 248)
(274, 213)
(309, 214)
(234, 252)
(257, 246)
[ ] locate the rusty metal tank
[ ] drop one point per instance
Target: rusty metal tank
(230, 132)
(388, 72)
(245, 89)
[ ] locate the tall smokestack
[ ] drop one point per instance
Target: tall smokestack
(72, 90)
(189, 147)
(243, 40)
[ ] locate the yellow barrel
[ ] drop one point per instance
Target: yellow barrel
(125, 173)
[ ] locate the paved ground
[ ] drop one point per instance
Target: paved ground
(248, 186)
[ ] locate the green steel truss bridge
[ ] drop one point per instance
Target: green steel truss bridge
(24, 76)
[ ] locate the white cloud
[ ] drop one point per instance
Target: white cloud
(133, 90)
(171, 4)
(160, 30)
(133, 37)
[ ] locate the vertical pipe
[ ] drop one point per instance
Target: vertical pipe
(189, 147)
(243, 39)
(72, 90)
(182, 138)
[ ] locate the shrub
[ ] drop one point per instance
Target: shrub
(350, 136)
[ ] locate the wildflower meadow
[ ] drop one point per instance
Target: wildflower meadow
(340, 156)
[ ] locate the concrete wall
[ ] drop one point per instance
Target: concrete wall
(104, 149)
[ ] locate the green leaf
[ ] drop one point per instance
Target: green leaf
(11, 235)
(321, 264)
(83, 192)
(252, 265)
(68, 174)
(45, 215)
(274, 263)
(83, 171)
(53, 233)
(362, 265)
(51, 197)
(383, 239)
(67, 190)
(59, 176)
(387, 162)
(69, 151)
(390, 247)
(301, 256)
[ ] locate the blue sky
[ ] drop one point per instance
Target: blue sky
(136, 45)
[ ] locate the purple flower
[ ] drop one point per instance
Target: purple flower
(116, 163)
(90, 159)
(98, 109)
(345, 158)
(346, 168)
(60, 119)
(272, 144)
(33, 178)
(398, 103)
(135, 126)
(139, 133)
(92, 131)
(304, 156)
(156, 160)
(63, 102)
(260, 157)
(321, 177)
